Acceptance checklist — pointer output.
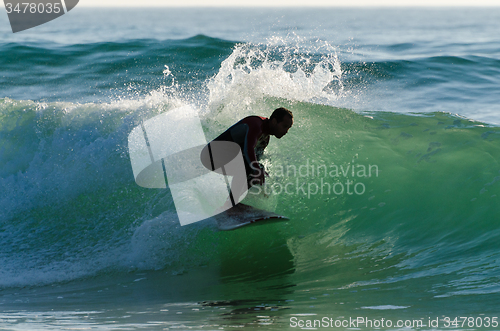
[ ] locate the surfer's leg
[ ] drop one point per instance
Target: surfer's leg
(239, 186)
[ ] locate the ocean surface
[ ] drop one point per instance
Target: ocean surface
(390, 175)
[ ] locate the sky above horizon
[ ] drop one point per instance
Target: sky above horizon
(284, 3)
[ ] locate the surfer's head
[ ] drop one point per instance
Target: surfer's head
(280, 122)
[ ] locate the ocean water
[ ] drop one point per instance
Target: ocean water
(390, 175)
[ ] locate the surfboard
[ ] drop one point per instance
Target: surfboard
(241, 215)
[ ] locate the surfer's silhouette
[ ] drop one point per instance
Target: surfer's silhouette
(252, 135)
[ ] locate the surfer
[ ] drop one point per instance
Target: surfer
(252, 134)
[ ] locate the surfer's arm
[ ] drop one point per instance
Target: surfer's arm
(254, 131)
(252, 138)
(246, 133)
